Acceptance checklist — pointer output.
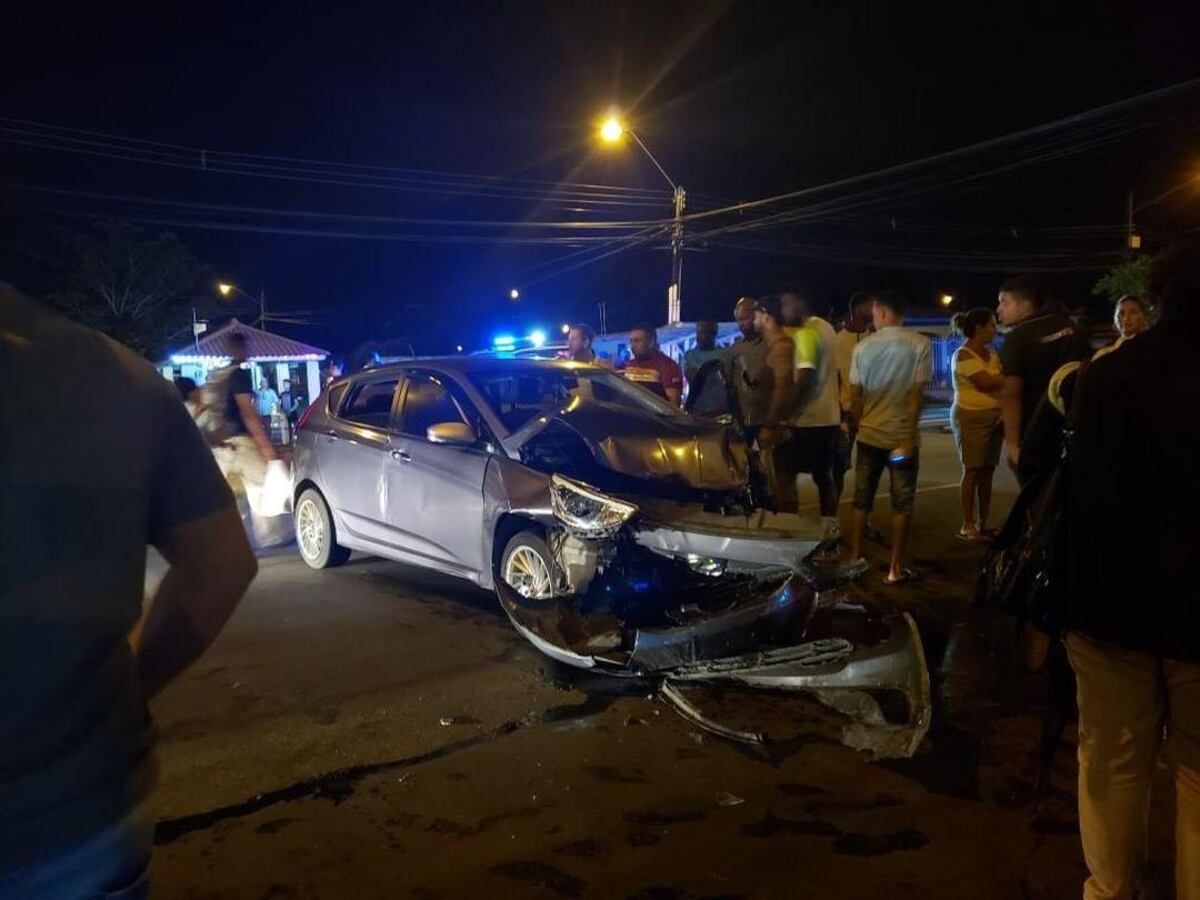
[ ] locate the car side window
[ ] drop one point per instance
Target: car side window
(428, 401)
(370, 402)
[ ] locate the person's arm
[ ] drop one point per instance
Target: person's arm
(254, 426)
(807, 350)
(986, 381)
(193, 520)
(779, 361)
(912, 421)
(912, 403)
(1010, 410)
(672, 382)
(856, 404)
(211, 565)
(857, 396)
(974, 370)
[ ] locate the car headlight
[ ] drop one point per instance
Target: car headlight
(585, 510)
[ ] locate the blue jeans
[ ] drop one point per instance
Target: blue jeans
(111, 864)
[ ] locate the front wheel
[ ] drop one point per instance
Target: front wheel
(315, 535)
(527, 567)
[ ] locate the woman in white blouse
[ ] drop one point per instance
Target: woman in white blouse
(975, 417)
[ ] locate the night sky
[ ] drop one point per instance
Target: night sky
(737, 100)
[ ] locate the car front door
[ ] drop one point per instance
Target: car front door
(435, 490)
(352, 452)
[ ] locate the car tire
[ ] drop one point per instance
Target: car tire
(316, 536)
(528, 568)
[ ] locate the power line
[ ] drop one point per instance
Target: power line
(1126, 108)
(342, 174)
(201, 206)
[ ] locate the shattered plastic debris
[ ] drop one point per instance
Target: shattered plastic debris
(446, 720)
(724, 798)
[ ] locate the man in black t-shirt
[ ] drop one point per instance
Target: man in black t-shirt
(1134, 639)
(1039, 342)
(247, 451)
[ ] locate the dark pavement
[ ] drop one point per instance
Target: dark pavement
(376, 731)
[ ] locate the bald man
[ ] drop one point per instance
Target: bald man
(745, 365)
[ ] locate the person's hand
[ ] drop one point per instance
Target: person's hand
(902, 452)
(1014, 456)
(770, 436)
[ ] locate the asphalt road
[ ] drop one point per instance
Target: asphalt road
(376, 731)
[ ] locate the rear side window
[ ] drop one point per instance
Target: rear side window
(336, 393)
(370, 402)
(427, 402)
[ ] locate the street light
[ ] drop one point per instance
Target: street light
(612, 129)
(514, 294)
(947, 299)
(228, 289)
(566, 327)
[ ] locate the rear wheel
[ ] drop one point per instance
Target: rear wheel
(315, 534)
(527, 567)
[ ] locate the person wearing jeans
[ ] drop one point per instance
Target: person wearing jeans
(1134, 619)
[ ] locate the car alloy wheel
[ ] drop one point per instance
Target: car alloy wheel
(526, 572)
(310, 529)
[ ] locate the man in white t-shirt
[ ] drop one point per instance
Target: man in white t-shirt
(887, 378)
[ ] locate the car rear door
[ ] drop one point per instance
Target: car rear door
(352, 449)
(435, 491)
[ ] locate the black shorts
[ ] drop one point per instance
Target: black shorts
(811, 450)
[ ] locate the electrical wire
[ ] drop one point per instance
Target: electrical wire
(215, 208)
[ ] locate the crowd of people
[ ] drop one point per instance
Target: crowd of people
(78, 658)
(804, 394)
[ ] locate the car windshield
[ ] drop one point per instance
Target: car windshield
(518, 397)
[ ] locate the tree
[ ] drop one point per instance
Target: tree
(138, 288)
(1131, 277)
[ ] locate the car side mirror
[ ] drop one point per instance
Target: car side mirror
(451, 433)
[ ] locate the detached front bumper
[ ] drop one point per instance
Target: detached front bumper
(691, 604)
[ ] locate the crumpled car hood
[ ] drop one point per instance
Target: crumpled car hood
(696, 453)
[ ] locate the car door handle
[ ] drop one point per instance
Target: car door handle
(402, 455)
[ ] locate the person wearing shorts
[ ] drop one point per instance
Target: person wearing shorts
(888, 375)
(975, 416)
(817, 418)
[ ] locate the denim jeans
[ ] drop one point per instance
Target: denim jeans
(111, 864)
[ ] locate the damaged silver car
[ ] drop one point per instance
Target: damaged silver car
(616, 530)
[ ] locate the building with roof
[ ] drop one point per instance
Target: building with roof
(286, 359)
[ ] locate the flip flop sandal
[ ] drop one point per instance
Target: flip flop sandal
(906, 575)
(977, 538)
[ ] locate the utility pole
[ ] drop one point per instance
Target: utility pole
(611, 131)
(262, 309)
(675, 290)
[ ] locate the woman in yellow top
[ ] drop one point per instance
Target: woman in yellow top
(975, 416)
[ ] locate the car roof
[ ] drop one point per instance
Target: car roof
(491, 365)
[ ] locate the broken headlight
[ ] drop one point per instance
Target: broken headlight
(585, 510)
